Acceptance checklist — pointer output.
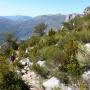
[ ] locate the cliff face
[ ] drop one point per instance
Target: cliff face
(71, 16)
(87, 10)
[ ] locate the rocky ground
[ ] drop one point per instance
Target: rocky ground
(35, 81)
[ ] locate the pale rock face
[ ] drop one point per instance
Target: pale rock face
(55, 83)
(32, 79)
(23, 71)
(69, 87)
(23, 63)
(71, 16)
(87, 10)
(26, 68)
(87, 47)
(66, 88)
(86, 75)
(26, 62)
(41, 63)
(27, 50)
(51, 83)
(17, 52)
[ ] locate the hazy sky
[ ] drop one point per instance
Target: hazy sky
(41, 7)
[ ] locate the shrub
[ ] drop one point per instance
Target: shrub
(62, 76)
(40, 28)
(21, 53)
(71, 64)
(9, 80)
(23, 46)
(83, 36)
(34, 54)
(13, 82)
(43, 71)
(51, 32)
(33, 41)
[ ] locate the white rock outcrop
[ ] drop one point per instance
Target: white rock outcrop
(41, 63)
(32, 80)
(86, 75)
(87, 47)
(26, 62)
(51, 83)
(27, 50)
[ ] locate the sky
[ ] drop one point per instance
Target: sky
(41, 7)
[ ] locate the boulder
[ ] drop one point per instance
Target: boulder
(27, 50)
(86, 75)
(23, 72)
(51, 83)
(69, 87)
(87, 47)
(26, 62)
(41, 63)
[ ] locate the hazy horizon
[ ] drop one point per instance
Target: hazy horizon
(34, 16)
(41, 7)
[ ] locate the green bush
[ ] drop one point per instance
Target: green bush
(83, 36)
(34, 54)
(40, 28)
(9, 80)
(33, 41)
(23, 45)
(51, 32)
(62, 76)
(13, 82)
(43, 71)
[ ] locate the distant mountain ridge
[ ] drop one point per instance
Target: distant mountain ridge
(23, 26)
(18, 18)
